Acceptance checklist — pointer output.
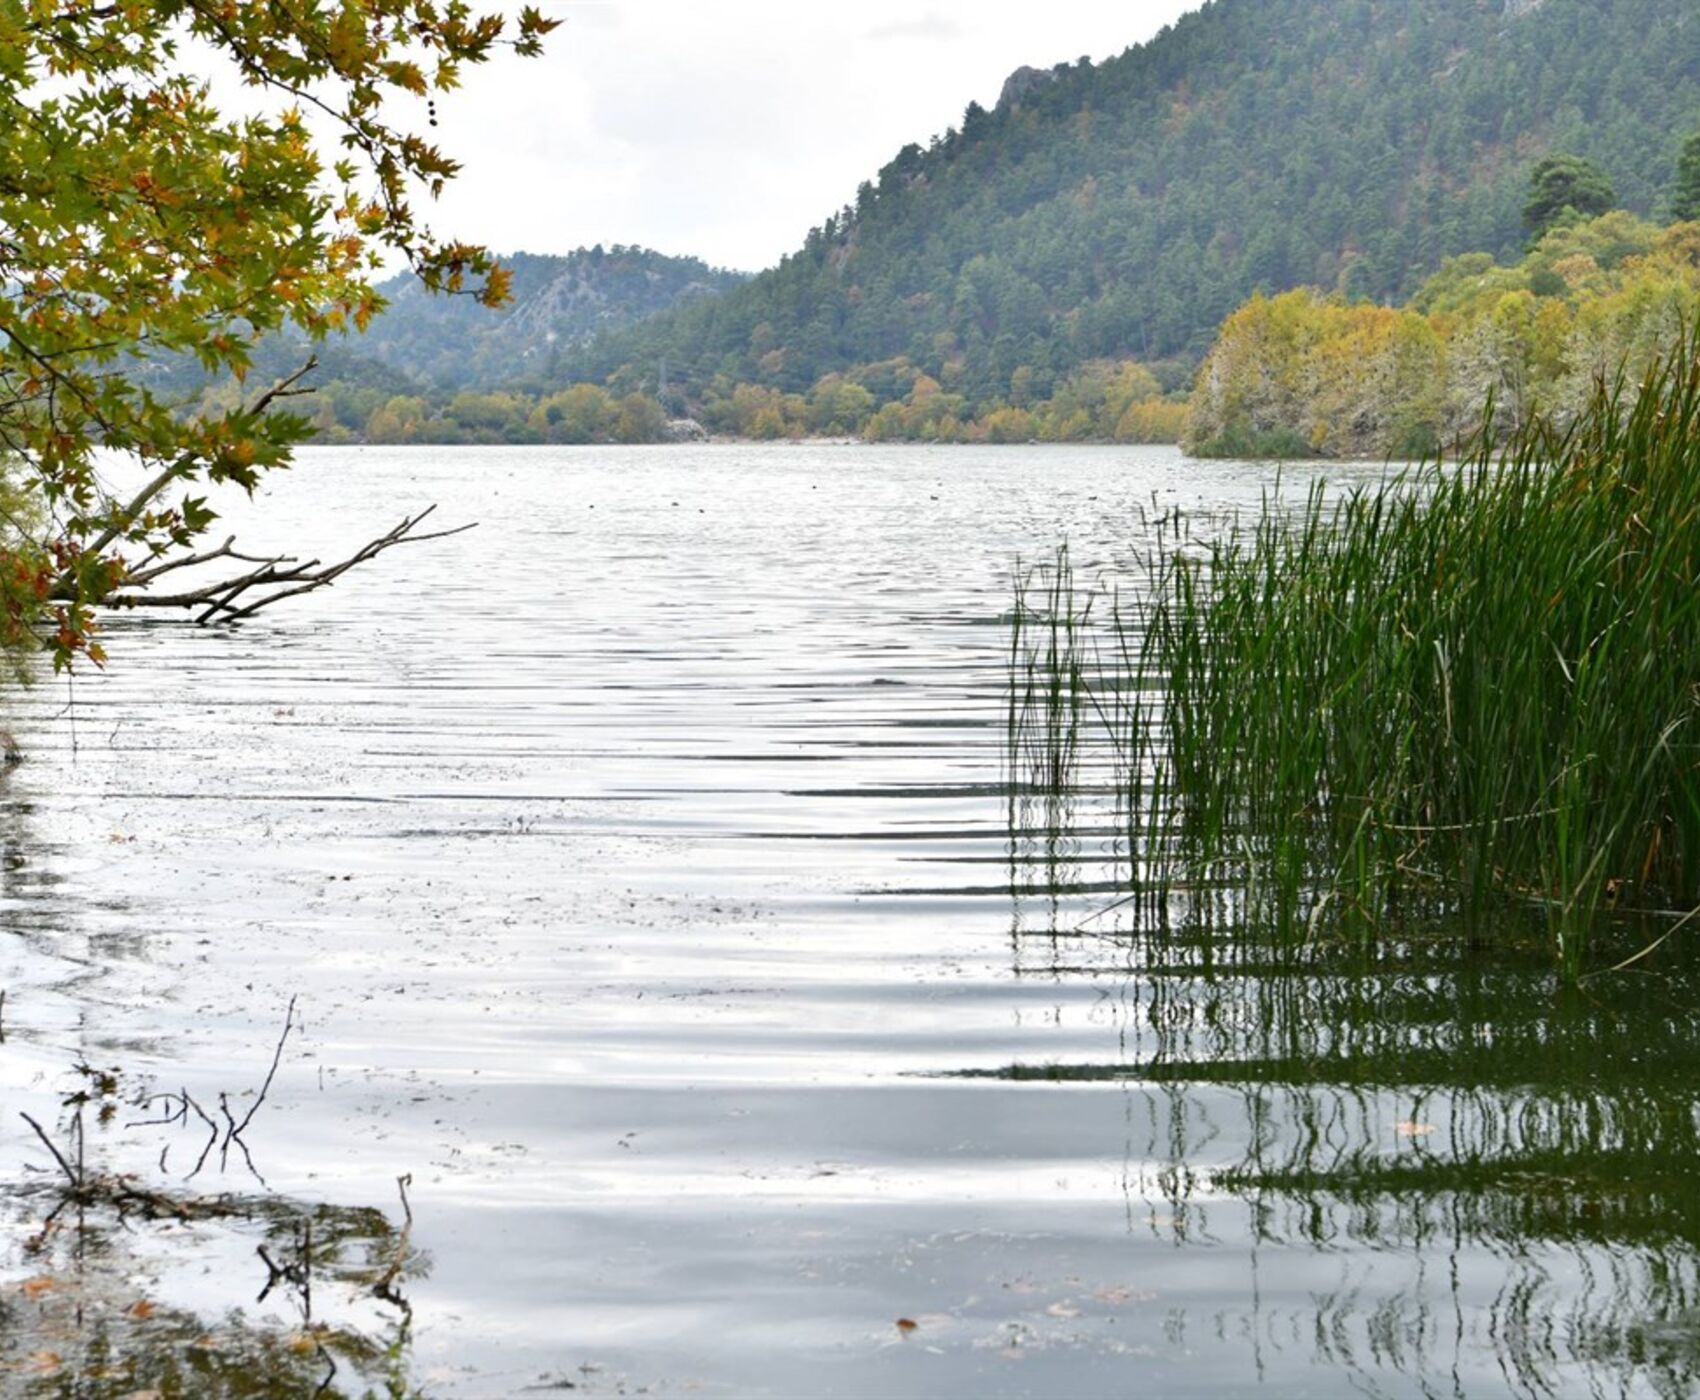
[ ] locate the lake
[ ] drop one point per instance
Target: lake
(639, 866)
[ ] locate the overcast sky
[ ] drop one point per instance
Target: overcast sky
(727, 128)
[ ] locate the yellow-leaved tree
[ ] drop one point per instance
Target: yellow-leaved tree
(137, 220)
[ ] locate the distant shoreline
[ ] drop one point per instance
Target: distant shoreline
(721, 440)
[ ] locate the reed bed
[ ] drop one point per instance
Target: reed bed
(1465, 696)
(1047, 703)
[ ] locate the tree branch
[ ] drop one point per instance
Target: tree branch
(137, 577)
(284, 388)
(283, 576)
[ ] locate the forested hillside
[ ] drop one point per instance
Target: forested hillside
(474, 372)
(558, 303)
(1122, 210)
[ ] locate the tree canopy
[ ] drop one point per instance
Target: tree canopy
(1305, 373)
(138, 221)
(1566, 189)
(1685, 197)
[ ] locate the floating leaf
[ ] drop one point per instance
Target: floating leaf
(1116, 1293)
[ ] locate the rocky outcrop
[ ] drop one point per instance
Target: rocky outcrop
(1021, 82)
(686, 430)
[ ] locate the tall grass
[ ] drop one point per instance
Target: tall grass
(1047, 704)
(1468, 693)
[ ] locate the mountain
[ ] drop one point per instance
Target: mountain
(1122, 210)
(559, 303)
(451, 370)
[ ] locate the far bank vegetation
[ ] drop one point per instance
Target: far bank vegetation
(1104, 401)
(1309, 374)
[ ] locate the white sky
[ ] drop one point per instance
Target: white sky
(727, 128)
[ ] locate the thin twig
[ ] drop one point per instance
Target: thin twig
(1649, 950)
(135, 578)
(58, 1156)
(277, 1055)
(233, 1130)
(385, 1286)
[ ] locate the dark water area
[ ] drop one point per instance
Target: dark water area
(639, 866)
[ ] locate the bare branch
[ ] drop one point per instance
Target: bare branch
(283, 389)
(135, 578)
(282, 577)
(70, 1173)
(237, 1129)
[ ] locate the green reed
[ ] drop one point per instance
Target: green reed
(1462, 695)
(1048, 699)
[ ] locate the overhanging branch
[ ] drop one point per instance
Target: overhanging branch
(275, 578)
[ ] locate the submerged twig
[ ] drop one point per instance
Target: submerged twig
(71, 1175)
(277, 1055)
(385, 1286)
(1649, 950)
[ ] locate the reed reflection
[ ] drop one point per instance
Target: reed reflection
(1492, 1157)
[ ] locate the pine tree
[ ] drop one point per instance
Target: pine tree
(1566, 188)
(1685, 199)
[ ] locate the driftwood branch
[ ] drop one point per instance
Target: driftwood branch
(270, 581)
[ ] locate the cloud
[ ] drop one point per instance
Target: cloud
(596, 14)
(719, 130)
(931, 25)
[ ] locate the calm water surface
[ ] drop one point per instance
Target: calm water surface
(639, 864)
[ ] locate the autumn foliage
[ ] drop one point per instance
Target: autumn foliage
(138, 221)
(1311, 374)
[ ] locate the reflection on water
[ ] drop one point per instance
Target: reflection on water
(292, 1297)
(655, 916)
(291, 1311)
(1523, 1147)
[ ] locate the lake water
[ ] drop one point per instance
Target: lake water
(638, 863)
